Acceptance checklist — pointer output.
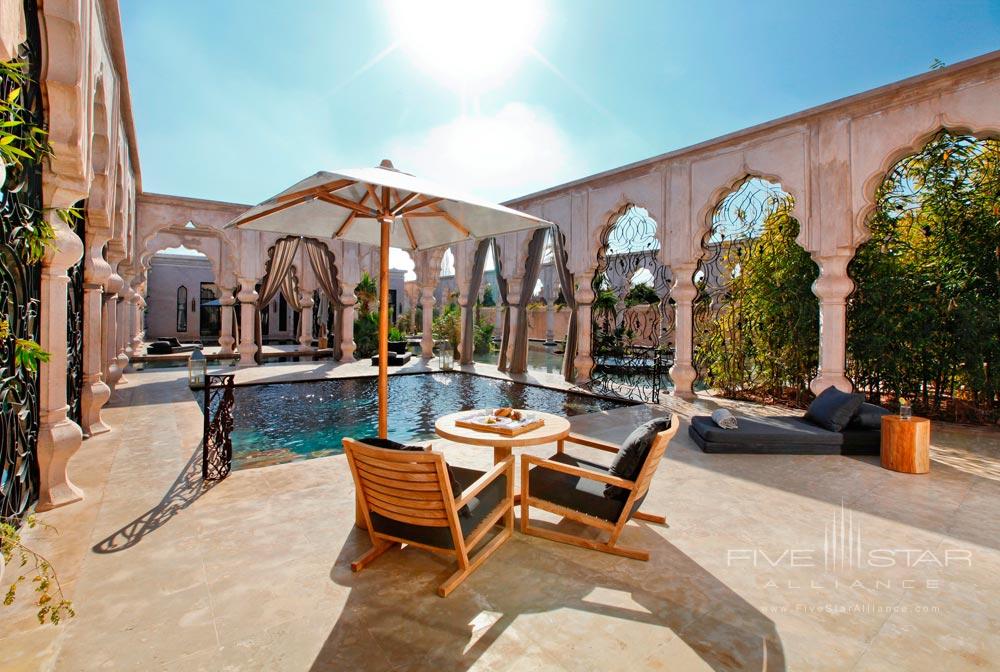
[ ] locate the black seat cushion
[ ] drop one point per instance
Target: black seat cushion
(868, 416)
(574, 492)
(861, 441)
(833, 409)
(632, 455)
(778, 434)
(440, 537)
(389, 444)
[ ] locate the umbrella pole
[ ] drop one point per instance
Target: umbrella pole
(383, 330)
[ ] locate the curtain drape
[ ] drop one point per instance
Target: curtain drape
(468, 343)
(568, 286)
(532, 268)
(274, 276)
(502, 290)
(325, 270)
(290, 289)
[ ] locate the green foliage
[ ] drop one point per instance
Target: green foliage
(760, 340)
(367, 293)
(488, 300)
(448, 325)
(641, 294)
(20, 140)
(29, 354)
(922, 322)
(366, 335)
(396, 334)
(49, 598)
(484, 337)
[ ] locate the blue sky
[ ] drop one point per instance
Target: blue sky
(235, 100)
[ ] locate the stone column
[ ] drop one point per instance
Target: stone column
(121, 320)
(684, 292)
(109, 328)
(550, 322)
(58, 437)
(135, 321)
(226, 340)
(583, 362)
(96, 392)
(832, 288)
(345, 321)
(427, 302)
(306, 319)
(248, 316)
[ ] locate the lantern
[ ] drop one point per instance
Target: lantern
(197, 369)
(446, 356)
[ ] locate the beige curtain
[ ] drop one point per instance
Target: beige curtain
(502, 287)
(275, 272)
(568, 286)
(468, 343)
(325, 270)
(532, 268)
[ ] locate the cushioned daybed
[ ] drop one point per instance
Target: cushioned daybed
(836, 423)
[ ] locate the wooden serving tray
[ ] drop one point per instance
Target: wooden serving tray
(501, 429)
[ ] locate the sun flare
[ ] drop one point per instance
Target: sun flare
(467, 44)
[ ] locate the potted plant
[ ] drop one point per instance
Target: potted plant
(397, 341)
(52, 604)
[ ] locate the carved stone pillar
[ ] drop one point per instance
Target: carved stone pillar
(683, 373)
(96, 392)
(58, 437)
(345, 322)
(832, 288)
(121, 319)
(135, 319)
(226, 340)
(109, 328)
(427, 302)
(306, 319)
(248, 315)
(583, 362)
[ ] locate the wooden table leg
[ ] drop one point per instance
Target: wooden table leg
(501, 453)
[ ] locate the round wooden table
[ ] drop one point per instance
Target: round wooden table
(554, 429)
(906, 444)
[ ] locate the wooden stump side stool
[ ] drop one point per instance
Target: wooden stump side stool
(906, 444)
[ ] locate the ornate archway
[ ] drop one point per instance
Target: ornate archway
(632, 317)
(756, 320)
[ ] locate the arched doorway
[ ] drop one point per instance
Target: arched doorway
(922, 323)
(756, 320)
(632, 317)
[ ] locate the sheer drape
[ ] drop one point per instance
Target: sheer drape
(532, 268)
(502, 290)
(325, 270)
(568, 286)
(468, 343)
(275, 273)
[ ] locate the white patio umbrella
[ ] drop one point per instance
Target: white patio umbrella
(387, 208)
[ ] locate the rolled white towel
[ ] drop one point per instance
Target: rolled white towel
(723, 418)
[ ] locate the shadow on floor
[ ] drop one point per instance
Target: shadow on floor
(183, 492)
(669, 611)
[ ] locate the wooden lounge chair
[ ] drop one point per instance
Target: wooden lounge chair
(575, 489)
(408, 497)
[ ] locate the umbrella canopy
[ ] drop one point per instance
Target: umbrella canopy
(388, 208)
(422, 214)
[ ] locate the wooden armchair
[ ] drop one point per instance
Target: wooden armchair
(575, 489)
(408, 497)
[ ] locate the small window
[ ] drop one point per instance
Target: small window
(182, 315)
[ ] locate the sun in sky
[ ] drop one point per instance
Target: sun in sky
(469, 45)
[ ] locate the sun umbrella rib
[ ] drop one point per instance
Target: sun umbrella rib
(451, 220)
(409, 233)
(345, 203)
(417, 206)
(335, 185)
(398, 208)
(278, 208)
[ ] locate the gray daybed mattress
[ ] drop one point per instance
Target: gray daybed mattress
(781, 434)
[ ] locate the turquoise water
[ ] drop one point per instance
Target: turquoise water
(296, 421)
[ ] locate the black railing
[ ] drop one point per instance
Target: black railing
(217, 443)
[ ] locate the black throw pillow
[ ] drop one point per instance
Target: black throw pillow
(869, 416)
(632, 455)
(833, 409)
(389, 444)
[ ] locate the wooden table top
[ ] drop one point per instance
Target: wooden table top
(555, 428)
(893, 418)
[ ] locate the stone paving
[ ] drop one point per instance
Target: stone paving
(253, 573)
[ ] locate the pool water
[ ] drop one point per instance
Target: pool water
(286, 422)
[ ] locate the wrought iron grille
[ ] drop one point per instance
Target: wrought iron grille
(217, 443)
(74, 324)
(20, 284)
(741, 345)
(632, 315)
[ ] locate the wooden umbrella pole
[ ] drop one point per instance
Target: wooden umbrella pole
(383, 330)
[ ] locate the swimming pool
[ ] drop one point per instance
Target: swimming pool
(286, 422)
